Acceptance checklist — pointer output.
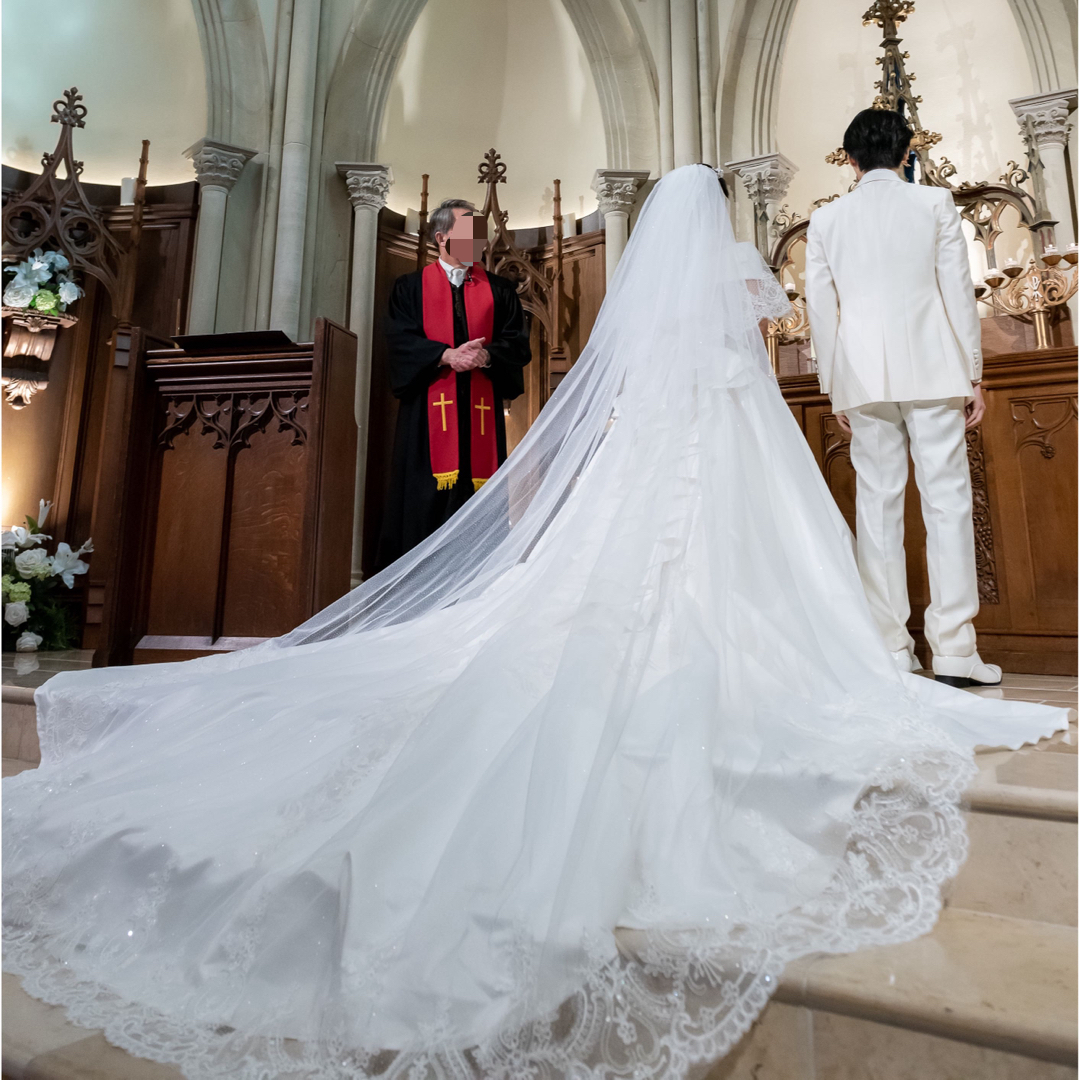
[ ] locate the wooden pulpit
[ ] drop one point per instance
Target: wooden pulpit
(225, 507)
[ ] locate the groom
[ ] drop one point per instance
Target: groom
(896, 333)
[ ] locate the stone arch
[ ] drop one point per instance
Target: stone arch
(237, 72)
(612, 40)
(1048, 30)
(625, 80)
(750, 80)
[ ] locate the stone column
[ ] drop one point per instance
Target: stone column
(706, 110)
(295, 167)
(217, 168)
(766, 179)
(1044, 123)
(368, 186)
(616, 190)
(663, 85)
(685, 122)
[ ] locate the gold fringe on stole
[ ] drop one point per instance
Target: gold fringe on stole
(446, 480)
(478, 484)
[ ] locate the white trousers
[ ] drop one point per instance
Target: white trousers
(881, 435)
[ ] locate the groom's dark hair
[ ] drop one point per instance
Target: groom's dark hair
(878, 139)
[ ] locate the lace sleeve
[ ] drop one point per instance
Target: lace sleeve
(767, 299)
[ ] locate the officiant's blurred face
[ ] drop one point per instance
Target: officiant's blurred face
(467, 238)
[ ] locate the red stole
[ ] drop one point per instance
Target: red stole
(442, 394)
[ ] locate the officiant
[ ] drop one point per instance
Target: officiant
(458, 344)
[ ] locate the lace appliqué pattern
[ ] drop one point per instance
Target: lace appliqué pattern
(650, 1003)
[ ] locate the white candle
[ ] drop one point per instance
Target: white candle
(127, 191)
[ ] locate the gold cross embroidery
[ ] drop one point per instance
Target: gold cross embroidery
(441, 404)
(483, 408)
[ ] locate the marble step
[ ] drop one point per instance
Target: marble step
(991, 980)
(982, 997)
(19, 727)
(1022, 829)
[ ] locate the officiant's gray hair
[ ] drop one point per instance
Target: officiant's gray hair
(442, 217)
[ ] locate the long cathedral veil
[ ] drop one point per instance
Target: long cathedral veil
(560, 793)
(683, 307)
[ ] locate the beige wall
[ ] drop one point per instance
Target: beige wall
(138, 66)
(969, 59)
(505, 73)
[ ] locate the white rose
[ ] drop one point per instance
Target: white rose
(28, 642)
(69, 292)
(33, 563)
(16, 613)
(25, 665)
(19, 295)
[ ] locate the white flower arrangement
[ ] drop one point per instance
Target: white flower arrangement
(31, 577)
(42, 283)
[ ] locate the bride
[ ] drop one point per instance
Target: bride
(557, 795)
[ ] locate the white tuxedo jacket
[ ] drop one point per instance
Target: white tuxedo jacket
(889, 295)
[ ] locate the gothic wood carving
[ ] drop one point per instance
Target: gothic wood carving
(235, 418)
(985, 560)
(1037, 420)
(835, 446)
(55, 213)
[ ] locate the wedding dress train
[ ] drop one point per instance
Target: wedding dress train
(559, 794)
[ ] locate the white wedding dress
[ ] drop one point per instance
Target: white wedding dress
(560, 793)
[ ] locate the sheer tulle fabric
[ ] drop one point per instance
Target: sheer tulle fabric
(560, 793)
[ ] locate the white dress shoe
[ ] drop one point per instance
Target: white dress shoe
(964, 671)
(906, 660)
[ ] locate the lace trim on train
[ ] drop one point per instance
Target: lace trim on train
(647, 1010)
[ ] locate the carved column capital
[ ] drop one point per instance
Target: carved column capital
(368, 184)
(616, 189)
(1045, 117)
(766, 177)
(218, 164)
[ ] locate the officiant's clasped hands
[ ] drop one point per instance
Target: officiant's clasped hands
(468, 356)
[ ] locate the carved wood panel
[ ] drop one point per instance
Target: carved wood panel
(1045, 433)
(1023, 464)
(194, 482)
(262, 594)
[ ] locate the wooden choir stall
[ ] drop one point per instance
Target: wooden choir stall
(230, 511)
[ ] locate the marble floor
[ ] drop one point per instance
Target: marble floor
(32, 669)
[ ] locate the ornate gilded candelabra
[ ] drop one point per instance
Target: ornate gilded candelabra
(1032, 291)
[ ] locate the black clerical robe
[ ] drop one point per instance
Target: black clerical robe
(415, 507)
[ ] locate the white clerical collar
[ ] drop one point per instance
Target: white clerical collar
(880, 174)
(455, 274)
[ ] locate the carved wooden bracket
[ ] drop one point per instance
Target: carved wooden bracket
(1033, 429)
